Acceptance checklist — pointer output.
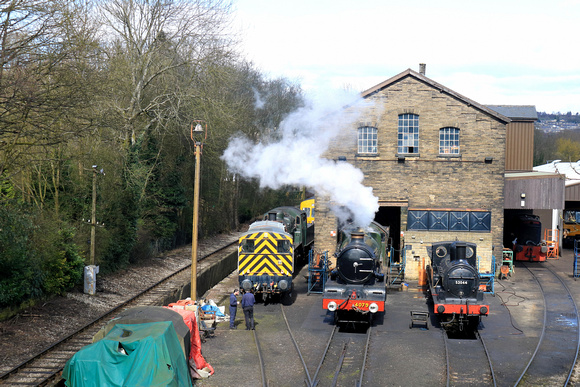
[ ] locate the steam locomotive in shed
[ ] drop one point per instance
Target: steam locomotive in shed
(528, 244)
(268, 251)
(454, 285)
(356, 289)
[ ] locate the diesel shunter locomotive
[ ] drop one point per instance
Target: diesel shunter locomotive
(268, 251)
(453, 280)
(356, 289)
(266, 259)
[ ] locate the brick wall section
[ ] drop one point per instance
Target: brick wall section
(429, 181)
(325, 227)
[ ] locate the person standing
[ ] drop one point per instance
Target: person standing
(233, 307)
(248, 302)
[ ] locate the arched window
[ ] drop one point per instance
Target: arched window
(449, 141)
(408, 135)
(367, 140)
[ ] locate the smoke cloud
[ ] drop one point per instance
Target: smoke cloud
(294, 156)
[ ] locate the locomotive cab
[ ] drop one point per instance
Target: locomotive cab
(295, 223)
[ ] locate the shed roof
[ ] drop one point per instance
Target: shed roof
(570, 170)
(517, 112)
(422, 78)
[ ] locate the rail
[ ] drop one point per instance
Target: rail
(349, 345)
(51, 372)
(550, 328)
(463, 368)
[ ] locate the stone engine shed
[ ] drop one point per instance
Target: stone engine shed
(436, 161)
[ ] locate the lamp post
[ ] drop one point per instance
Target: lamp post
(91, 271)
(96, 171)
(93, 215)
(197, 132)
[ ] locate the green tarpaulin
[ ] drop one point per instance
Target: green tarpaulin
(146, 354)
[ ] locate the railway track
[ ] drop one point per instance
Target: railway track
(261, 361)
(468, 361)
(308, 378)
(271, 342)
(554, 358)
(344, 359)
(342, 362)
(45, 367)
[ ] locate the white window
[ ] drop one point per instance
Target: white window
(367, 140)
(449, 141)
(408, 136)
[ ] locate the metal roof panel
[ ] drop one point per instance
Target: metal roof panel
(516, 112)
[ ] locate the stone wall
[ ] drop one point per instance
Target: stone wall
(428, 180)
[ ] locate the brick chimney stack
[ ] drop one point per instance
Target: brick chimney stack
(422, 68)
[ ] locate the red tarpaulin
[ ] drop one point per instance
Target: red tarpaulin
(190, 320)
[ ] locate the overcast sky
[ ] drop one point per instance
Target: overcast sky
(494, 51)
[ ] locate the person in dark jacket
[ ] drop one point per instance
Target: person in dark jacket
(233, 307)
(248, 302)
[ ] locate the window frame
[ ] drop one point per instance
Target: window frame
(248, 246)
(370, 147)
(283, 246)
(450, 141)
(449, 220)
(408, 134)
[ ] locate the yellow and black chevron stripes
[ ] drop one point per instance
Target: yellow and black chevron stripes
(261, 264)
(268, 256)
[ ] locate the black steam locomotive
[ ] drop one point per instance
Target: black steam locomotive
(454, 285)
(356, 288)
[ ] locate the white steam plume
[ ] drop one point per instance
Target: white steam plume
(295, 157)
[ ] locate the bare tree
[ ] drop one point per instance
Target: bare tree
(156, 44)
(43, 78)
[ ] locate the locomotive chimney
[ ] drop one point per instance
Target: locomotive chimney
(460, 251)
(272, 216)
(357, 236)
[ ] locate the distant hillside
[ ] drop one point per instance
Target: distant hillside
(556, 122)
(568, 117)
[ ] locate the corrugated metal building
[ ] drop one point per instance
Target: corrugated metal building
(528, 190)
(570, 172)
(519, 152)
